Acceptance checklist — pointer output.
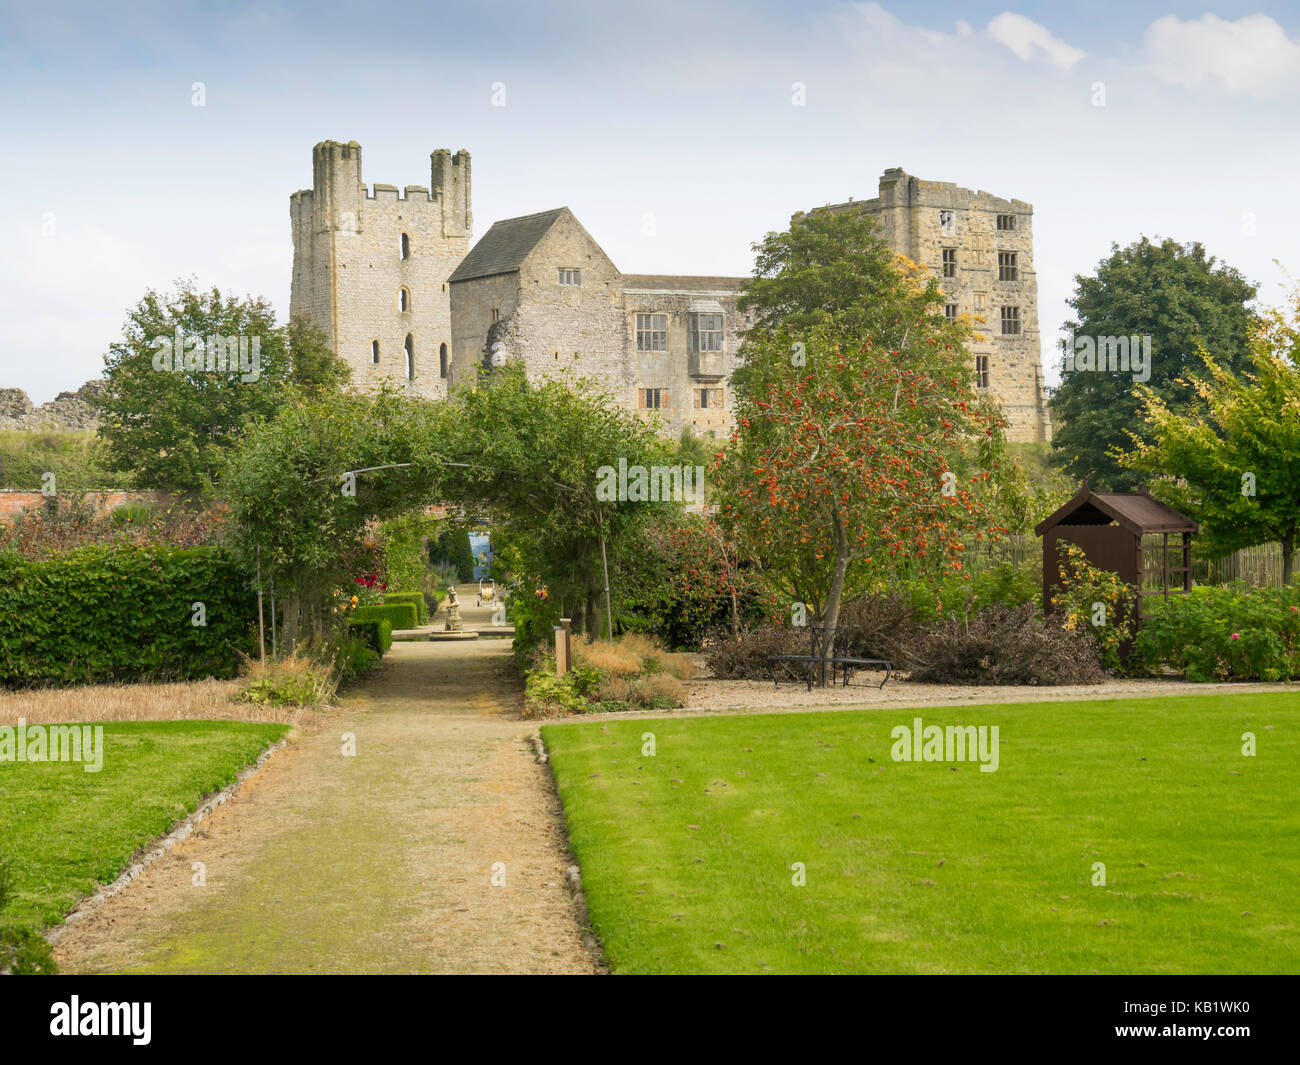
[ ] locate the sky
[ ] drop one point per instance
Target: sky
(154, 141)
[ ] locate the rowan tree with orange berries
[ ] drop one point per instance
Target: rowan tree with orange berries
(860, 440)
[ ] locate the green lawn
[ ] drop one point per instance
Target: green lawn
(931, 867)
(64, 829)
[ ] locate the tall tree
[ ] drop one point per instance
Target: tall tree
(1185, 301)
(1236, 467)
(859, 437)
(192, 368)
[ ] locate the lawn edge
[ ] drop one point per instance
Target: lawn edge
(573, 872)
(159, 847)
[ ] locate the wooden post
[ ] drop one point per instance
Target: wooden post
(561, 651)
(567, 625)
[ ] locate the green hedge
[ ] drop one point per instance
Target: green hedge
(377, 632)
(123, 613)
(416, 599)
(398, 615)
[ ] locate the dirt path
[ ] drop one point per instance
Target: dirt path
(382, 862)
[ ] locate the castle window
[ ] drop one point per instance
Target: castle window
(442, 360)
(947, 226)
(708, 398)
(374, 352)
(652, 398)
(1010, 321)
(706, 332)
(949, 262)
(404, 248)
(569, 277)
(410, 358)
(652, 332)
(1006, 266)
(1006, 222)
(496, 314)
(979, 302)
(981, 371)
(950, 311)
(403, 300)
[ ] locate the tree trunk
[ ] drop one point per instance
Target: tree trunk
(289, 623)
(831, 618)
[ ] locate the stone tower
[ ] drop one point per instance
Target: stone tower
(981, 247)
(370, 266)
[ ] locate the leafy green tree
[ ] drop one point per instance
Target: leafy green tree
(300, 516)
(168, 415)
(532, 455)
(1185, 301)
(1236, 467)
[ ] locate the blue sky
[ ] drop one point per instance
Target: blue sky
(114, 182)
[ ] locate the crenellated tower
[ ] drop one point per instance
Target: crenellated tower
(370, 265)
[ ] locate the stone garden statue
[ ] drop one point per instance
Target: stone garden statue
(453, 612)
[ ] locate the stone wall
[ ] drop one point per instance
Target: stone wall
(65, 412)
(681, 371)
(922, 218)
(349, 271)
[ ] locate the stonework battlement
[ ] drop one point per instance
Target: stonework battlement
(390, 276)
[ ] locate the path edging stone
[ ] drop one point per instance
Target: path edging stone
(160, 847)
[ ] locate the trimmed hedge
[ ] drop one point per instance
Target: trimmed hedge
(398, 615)
(377, 632)
(123, 613)
(416, 599)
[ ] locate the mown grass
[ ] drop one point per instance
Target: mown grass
(64, 830)
(931, 867)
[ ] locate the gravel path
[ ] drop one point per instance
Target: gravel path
(382, 862)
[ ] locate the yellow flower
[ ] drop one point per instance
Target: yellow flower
(354, 599)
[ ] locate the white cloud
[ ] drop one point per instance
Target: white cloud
(1023, 36)
(1252, 54)
(964, 28)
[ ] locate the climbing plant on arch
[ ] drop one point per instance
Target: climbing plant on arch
(525, 454)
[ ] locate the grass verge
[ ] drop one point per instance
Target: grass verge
(688, 855)
(64, 830)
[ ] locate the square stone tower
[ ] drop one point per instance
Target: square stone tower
(981, 247)
(370, 267)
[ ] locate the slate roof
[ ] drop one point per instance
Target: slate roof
(506, 245)
(1138, 513)
(671, 281)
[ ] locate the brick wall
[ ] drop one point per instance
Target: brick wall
(15, 502)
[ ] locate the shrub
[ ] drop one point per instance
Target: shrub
(378, 634)
(744, 657)
(123, 613)
(1224, 633)
(546, 695)
(398, 615)
(1083, 589)
(416, 599)
(870, 622)
(299, 679)
(999, 645)
(611, 659)
(353, 655)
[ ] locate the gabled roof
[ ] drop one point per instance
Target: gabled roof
(506, 245)
(1139, 513)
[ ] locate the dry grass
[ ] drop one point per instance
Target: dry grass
(612, 659)
(631, 655)
(660, 686)
(183, 701)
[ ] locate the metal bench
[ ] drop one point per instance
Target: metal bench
(808, 667)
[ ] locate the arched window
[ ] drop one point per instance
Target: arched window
(374, 352)
(442, 360)
(404, 252)
(410, 358)
(403, 300)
